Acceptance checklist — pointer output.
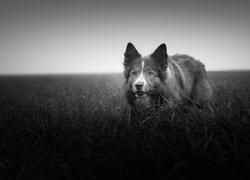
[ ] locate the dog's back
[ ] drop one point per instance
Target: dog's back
(196, 86)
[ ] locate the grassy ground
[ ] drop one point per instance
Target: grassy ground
(77, 127)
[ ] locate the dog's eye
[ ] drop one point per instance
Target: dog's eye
(132, 73)
(150, 73)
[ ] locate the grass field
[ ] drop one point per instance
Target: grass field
(77, 127)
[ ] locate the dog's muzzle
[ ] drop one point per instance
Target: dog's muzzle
(140, 94)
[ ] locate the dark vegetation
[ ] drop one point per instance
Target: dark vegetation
(77, 127)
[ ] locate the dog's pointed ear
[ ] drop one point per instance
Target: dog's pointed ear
(131, 53)
(161, 56)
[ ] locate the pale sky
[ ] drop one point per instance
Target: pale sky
(91, 36)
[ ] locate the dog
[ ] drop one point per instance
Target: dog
(162, 80)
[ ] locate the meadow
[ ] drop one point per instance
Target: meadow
(78, 127)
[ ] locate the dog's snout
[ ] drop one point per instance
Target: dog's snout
(138, 86)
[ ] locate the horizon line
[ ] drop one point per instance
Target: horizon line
(98, 73)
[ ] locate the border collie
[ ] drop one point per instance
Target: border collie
(160, 79)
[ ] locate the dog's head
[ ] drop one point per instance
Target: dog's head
(144, 75)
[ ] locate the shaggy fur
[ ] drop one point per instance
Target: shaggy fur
(160, 79)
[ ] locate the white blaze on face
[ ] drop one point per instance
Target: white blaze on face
(141, 79)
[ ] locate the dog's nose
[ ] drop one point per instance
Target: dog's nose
(139, 86)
